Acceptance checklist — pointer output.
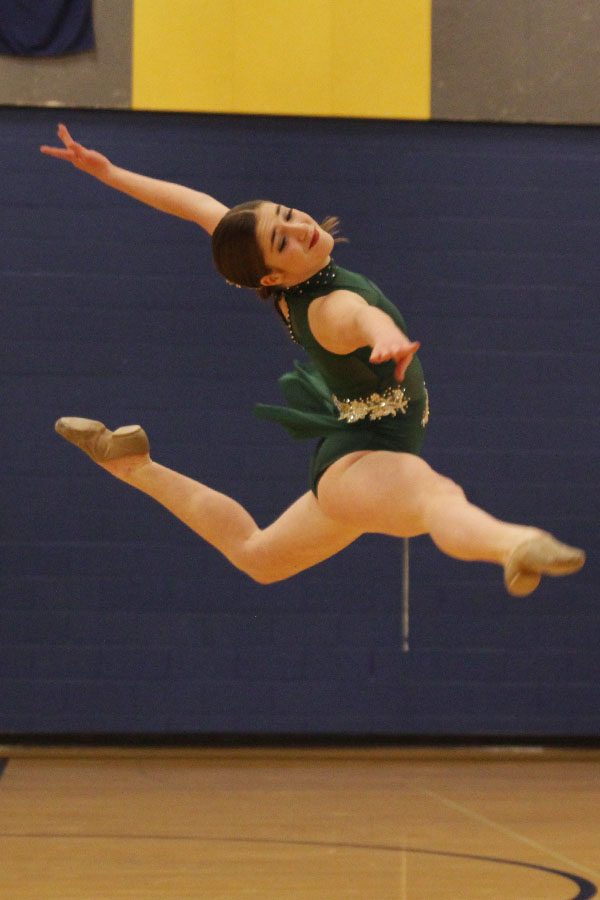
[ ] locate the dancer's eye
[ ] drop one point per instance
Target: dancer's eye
(288, 216)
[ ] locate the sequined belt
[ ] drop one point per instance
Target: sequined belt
(375, 406)
(392, 401)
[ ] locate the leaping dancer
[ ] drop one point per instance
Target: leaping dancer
(363, 397)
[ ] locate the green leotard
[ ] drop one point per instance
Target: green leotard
(327, 398)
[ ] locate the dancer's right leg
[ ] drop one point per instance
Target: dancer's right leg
(301, 537)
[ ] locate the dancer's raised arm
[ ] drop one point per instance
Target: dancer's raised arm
(165, 196)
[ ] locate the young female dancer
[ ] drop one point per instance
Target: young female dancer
(364, 397)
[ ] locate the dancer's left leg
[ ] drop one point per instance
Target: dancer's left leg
(401, 495)
(301, 537)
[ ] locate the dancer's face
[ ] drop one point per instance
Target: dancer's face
(293, 245)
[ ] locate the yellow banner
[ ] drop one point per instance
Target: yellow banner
(356, 58)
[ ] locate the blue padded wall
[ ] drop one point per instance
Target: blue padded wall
(114, 618)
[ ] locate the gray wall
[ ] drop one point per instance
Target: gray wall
(100, 78)
(516, 60)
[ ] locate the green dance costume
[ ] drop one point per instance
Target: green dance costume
(343, 399)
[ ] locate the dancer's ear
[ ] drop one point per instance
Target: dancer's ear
(271, 279)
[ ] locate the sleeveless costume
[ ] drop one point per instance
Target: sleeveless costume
(343, 399)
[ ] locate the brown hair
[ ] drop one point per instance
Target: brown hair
(236, 253)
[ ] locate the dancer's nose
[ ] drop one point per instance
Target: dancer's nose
(299, 230)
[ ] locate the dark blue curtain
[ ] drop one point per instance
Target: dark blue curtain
(48, 28)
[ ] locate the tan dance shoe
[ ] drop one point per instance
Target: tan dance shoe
(540, 555)
(99, 442)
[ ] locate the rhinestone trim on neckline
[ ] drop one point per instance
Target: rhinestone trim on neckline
(320, 279)
(290, 329)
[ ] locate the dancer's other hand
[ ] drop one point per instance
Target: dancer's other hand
(89, 161)
(397, 349)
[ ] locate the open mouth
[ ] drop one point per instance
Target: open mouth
(314, 239)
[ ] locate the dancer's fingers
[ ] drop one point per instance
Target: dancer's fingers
(78, 151)
(393, 350)
(400, 370)
(405, 360)
(63, 133)
(58, 152)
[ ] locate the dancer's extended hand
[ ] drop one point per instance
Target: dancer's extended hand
(89, 161)
(397, 349)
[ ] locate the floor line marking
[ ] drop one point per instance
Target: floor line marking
(510, 833)
(404, 873)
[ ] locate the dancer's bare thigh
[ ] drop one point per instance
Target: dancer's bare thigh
(381, 491)
(300, 537)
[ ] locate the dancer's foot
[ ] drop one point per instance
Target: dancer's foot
(540, 555)
(120, 451)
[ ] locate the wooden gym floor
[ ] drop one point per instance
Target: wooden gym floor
(374, 824)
